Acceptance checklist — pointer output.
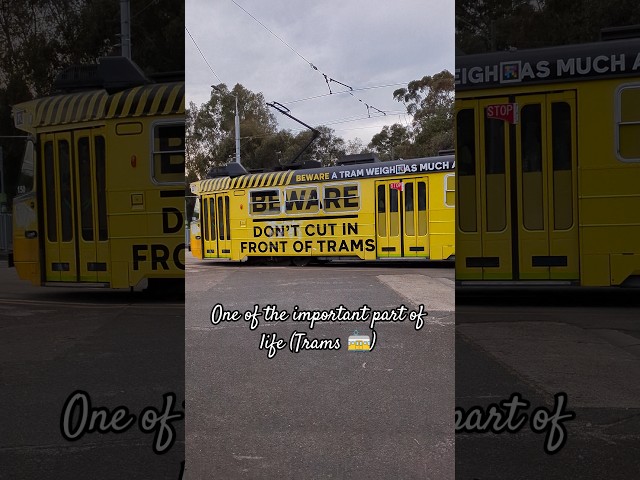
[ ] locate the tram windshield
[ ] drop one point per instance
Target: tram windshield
(25, 184)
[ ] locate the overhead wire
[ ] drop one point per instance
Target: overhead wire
(328, 80)
(326, 124)
(202, 54)
(346, 91)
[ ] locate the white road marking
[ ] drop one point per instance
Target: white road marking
(436, 294)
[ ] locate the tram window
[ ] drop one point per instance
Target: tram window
(226, 215)
(408, 197)
(25, 184)
(49, 180)
(422, 207)
(629, 123)
(466, 144)
(495, 193)
(341, 198)
(422, 197)
(466, 169)
(409, 221)
(531, 155)
(264, 202)
(221, 234)
(168, 153)
(393, 200)
(212, 218)
(531, 149)
(450, 190)
(494, 146)
(381, 199)
(562, 179)
(84, 177)
(205, 219)
(561, 135)
(382, 209)
(65, 191)
(302, 200)
(195, 217)
(101, 187)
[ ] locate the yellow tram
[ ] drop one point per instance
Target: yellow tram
(548, 165)
(370, 210)
(101, 195)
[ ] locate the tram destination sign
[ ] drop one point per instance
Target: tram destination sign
(547, 65)
(372, 170)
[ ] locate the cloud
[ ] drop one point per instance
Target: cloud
(360, 43)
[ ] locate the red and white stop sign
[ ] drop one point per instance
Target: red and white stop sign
(504, 111)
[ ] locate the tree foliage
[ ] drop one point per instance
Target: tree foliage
(211, 135)
(38, 38)
(493, 25)
(211, 130)
(430, 101)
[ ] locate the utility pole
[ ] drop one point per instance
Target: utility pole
(237, 121)
(237, 133)
(125, 29)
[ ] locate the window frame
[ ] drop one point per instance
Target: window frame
(617, 113)
(268, 213)
(152, 151)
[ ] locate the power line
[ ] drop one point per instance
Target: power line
(326, 124)
(327, 78)
(202, 54)
(143, 9)
(346, 91)
(268, 30)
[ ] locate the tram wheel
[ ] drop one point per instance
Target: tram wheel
(279, 261)
(301, 261)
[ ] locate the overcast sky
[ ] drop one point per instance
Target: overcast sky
(362, 43)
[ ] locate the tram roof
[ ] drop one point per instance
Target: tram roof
(140, 101)
(566, 63)
(345, 173)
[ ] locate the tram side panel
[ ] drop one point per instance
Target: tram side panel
(145, 200)
(441, 216)
(609, 181)
(572, 174)
(316, 220)
(367, 219)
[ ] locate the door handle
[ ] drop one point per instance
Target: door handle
(30, 234)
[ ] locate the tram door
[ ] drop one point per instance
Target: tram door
(415, 218)
(517, 205)
(73, 170)
(401, 218)
(216, 226)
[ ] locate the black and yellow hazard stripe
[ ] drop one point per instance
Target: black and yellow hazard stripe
(259, 180)
(147, 100)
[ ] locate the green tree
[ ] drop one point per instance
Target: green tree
(211, 131)
(38, 38)
(494, 25)
(429, 101)
(393, 142)
(326, 149)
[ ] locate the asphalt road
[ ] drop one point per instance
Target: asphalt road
(539, 342)
(122, 349)
(319, 414)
